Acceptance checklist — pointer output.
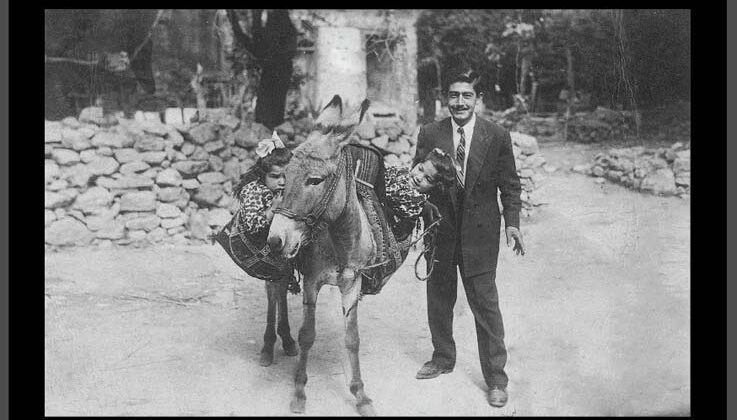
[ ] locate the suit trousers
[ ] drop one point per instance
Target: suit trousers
(483, 300)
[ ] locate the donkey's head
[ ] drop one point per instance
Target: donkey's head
(318, 179)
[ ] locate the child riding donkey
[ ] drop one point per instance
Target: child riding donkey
(244, 239)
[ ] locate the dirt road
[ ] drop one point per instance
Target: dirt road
(596, 314)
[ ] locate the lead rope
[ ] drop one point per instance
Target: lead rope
(432, 230)
(428, 230)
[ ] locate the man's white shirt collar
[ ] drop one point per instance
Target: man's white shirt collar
(468, 128)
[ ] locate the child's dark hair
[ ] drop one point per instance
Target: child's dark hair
(277, 157)
(443, 163)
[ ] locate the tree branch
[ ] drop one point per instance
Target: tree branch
(240, 36)
(159, 14)
(73, 61)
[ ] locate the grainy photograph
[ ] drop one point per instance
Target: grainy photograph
(345, 212)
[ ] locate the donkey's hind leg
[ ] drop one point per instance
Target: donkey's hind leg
(287, 342)
(267, 352)
(349, 298)
(306, 339)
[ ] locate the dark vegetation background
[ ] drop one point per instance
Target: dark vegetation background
(545, 60)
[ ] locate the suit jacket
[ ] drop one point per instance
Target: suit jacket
(490, 167)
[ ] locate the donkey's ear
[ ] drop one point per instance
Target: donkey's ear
(356, 115)
(332, 113)
(364, 107)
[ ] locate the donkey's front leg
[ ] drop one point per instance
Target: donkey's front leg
(306, 339)
(267, 352)
(288, 344)
(349, 296)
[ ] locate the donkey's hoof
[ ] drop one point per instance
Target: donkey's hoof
(290, 349)
(297, 405)
(366, 409)
(267, 358)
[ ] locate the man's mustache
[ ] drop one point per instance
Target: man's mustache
(460, 108)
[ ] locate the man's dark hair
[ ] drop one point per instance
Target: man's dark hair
(468, 76)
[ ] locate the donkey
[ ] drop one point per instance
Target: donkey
(321, 223)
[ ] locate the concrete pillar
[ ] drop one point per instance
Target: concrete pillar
(407, 72)
(340, 65)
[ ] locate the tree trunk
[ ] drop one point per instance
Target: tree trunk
(272, 47)
(571, 79)
(199, 90)
(428, 81)
(278, 45)
(272, 93)
(571, 76)
(526, 63)
(533, 94)
(140, 47)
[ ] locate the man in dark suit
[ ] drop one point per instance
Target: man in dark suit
(468, 236)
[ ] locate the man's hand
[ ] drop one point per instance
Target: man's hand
(514, 234)
(431, 212)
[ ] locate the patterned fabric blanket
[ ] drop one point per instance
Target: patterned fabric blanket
(254, 256)
(370, 188)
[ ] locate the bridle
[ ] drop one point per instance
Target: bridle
(315, 223)
(313, 219)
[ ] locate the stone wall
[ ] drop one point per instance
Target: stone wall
(130, 180)
(600, 125)
(111, 180)
(660, 171)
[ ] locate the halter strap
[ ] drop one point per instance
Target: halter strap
(312, 218)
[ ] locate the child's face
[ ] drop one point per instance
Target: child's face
(275, 178)
(422, 176)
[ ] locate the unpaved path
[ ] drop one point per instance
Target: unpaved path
(596, 315)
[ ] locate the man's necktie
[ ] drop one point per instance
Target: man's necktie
(461, 155)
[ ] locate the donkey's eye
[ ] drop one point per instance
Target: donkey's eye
(313, 181)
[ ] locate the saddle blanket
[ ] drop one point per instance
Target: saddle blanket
(369, 164)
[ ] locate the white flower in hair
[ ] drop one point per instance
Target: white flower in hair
(266, 146)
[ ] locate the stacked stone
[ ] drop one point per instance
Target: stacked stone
(295, 132)
(539, 126)
(130, 180)
(661, 171)
(583, 127)
(531, 168)
(515, 120)
(396, 139)
(600, 125)
(508, 118)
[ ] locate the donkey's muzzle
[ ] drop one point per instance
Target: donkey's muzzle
(275, 243)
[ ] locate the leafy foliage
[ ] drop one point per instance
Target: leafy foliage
(498, 42)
